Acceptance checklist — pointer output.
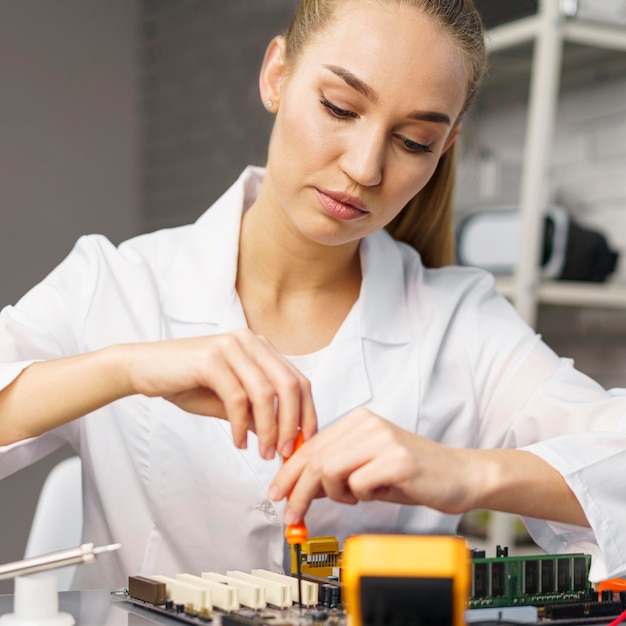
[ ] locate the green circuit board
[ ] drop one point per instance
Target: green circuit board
(530, 580)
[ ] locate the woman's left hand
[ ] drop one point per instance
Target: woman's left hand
(365, 457)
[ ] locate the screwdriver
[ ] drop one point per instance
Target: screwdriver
(297, 534)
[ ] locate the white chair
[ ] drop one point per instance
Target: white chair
(58, 520)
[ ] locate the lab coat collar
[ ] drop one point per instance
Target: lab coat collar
(199, 286)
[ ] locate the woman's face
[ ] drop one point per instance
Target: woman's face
(362, 119)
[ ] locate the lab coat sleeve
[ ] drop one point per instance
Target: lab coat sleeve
(592, 464)
(46, 323)
(540, 403)
(579, 429)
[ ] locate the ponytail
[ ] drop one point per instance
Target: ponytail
(426, 222)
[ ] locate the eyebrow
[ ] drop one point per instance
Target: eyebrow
(363, 88)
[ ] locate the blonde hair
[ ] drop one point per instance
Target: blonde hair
(426, 222)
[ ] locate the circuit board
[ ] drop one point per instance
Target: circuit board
(269, 616)
(556, 586)
(535, 580)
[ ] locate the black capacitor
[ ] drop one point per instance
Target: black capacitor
(326, 595)
(335, 596)
(606, 595)
(330, 596)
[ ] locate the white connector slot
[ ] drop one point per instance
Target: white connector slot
(183, 592)
(222, 596)
(277, 594)
(309, 589)
(251, 596)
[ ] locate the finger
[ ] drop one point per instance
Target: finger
(296, 414)
(247, 394)
(200, 401)
(373, 480)
(288, 474)
(308, 415)
(328, 471)
(312, 482)
(338, 490)
(291, 388)
(327, 444)
(306, 488)
(260, 371)
(227, 386)
(294, 402)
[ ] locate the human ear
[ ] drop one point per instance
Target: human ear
(272, 73)
(454, 133)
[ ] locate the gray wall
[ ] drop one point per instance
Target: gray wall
(68, 147)
(68, 162)
(202, 118)
(116, 117)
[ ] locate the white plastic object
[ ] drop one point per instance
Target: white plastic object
(58, 520)
(277, 594)
(183, 592)
(222, 596)
(36, 603)
(251, 596)
(309, 590)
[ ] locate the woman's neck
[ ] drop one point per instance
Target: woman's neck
(294, 291)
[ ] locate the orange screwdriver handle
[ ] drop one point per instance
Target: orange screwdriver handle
(296, 533)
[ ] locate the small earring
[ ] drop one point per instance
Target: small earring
(269, 104)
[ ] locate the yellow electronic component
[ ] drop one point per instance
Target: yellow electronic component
(405, 579)
(320, 557)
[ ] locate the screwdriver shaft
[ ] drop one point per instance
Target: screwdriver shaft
(297, 534)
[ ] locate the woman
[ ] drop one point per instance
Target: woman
(287, 306)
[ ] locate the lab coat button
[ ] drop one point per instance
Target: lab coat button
(270, 513)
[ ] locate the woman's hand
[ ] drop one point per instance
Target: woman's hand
(364, 457)
(237, 376)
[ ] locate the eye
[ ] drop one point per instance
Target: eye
(413, 146)
(335, 111)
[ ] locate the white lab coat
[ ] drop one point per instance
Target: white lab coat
(436, 351)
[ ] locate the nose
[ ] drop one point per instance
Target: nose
(363, 158)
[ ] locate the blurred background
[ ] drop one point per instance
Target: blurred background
(126, 116)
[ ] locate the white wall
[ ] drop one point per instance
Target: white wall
(68, 161)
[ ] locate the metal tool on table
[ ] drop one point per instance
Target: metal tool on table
(297, 534)
(85, 553)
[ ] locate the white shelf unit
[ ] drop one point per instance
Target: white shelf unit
(548, 29)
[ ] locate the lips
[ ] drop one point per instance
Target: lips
(341, 205)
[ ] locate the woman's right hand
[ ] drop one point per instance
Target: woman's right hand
(237, 376)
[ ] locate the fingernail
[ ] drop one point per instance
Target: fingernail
(269, 453)
(290, 517)
(287, 449)
(273, 493)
